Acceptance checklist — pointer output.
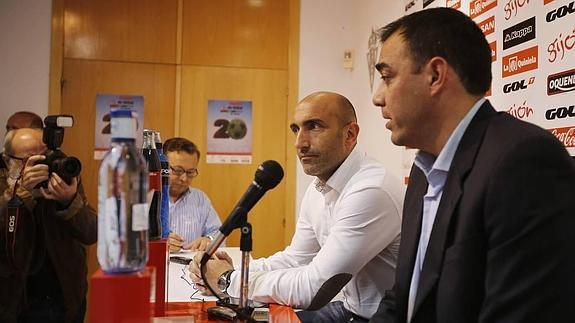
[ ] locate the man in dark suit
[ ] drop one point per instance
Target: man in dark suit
(489, 214)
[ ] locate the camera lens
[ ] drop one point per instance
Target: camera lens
(69, 167)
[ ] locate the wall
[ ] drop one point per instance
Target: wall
(24, 56)
(327, 29)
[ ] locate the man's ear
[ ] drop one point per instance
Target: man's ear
(436, 70)
(352, 132)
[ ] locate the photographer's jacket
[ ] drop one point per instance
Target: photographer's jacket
(57, 235)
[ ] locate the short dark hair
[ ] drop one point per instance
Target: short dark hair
(178, 144)
(24, 119)
(450, 34)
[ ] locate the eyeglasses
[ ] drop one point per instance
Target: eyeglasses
(14, 157)
(178, 171)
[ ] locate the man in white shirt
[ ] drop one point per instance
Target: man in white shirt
(193, 220)
(349, 224)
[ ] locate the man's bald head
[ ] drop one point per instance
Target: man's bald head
(343, 109)
(24, 142)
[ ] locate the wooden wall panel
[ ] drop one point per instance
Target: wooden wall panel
(240, 33)
(83, 80)
(127, 30)
(225, 183)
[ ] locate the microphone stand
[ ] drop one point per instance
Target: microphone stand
(246, 248)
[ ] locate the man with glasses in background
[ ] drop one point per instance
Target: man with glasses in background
(193, 220)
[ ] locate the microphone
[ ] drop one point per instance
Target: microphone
(268, 175)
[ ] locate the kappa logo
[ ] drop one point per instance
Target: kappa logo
(487, 26)
(477, 7)
(561, 82)
(512, 7)
(566, 135)
(560, 112)
(518, 85)
(519, 33)
(560, 12)
(455, 4)
(519, 62)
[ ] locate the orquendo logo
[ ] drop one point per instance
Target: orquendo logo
(561, 82)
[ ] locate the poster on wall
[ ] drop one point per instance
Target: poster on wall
(229, 132)
(106, 102)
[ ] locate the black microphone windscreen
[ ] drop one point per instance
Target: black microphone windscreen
(269, 174)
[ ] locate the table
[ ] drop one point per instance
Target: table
(196, 312)
(182, 307)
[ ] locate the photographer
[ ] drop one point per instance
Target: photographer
(43, 275)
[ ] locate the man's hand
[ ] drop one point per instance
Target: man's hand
(200, 244)
(59, 190)
(215, 267)
(33, 174)
(175, 242)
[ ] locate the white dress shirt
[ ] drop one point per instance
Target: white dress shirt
(193, 216)
(351, 226)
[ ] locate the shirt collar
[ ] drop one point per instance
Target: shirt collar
(427, 162)
(341, 176)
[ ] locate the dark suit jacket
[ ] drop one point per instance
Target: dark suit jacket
(502, 247)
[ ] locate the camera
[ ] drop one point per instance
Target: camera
(53, 136)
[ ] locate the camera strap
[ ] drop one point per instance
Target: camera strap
(20, 230)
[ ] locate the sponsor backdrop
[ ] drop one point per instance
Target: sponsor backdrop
(533, 49)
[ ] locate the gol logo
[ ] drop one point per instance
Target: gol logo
(518, 85)
(520, 112)
(488, 25)
(560, 12)
(522, 61)
(477, 7)
(561, 82)
(547, 1)
(566, 135)
(512, 7)
(455, 4)
(560, 113)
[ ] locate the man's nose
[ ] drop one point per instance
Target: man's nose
(301, 140)
(379, 96)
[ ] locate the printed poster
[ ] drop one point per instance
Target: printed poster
(229, 132)
(106, 102)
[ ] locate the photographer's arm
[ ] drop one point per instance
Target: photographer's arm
(74, 208)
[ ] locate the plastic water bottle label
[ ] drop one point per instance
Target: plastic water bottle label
(140, 217)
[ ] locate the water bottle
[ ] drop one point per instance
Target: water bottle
(165, 207)
(155, 184)
(122, 200)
